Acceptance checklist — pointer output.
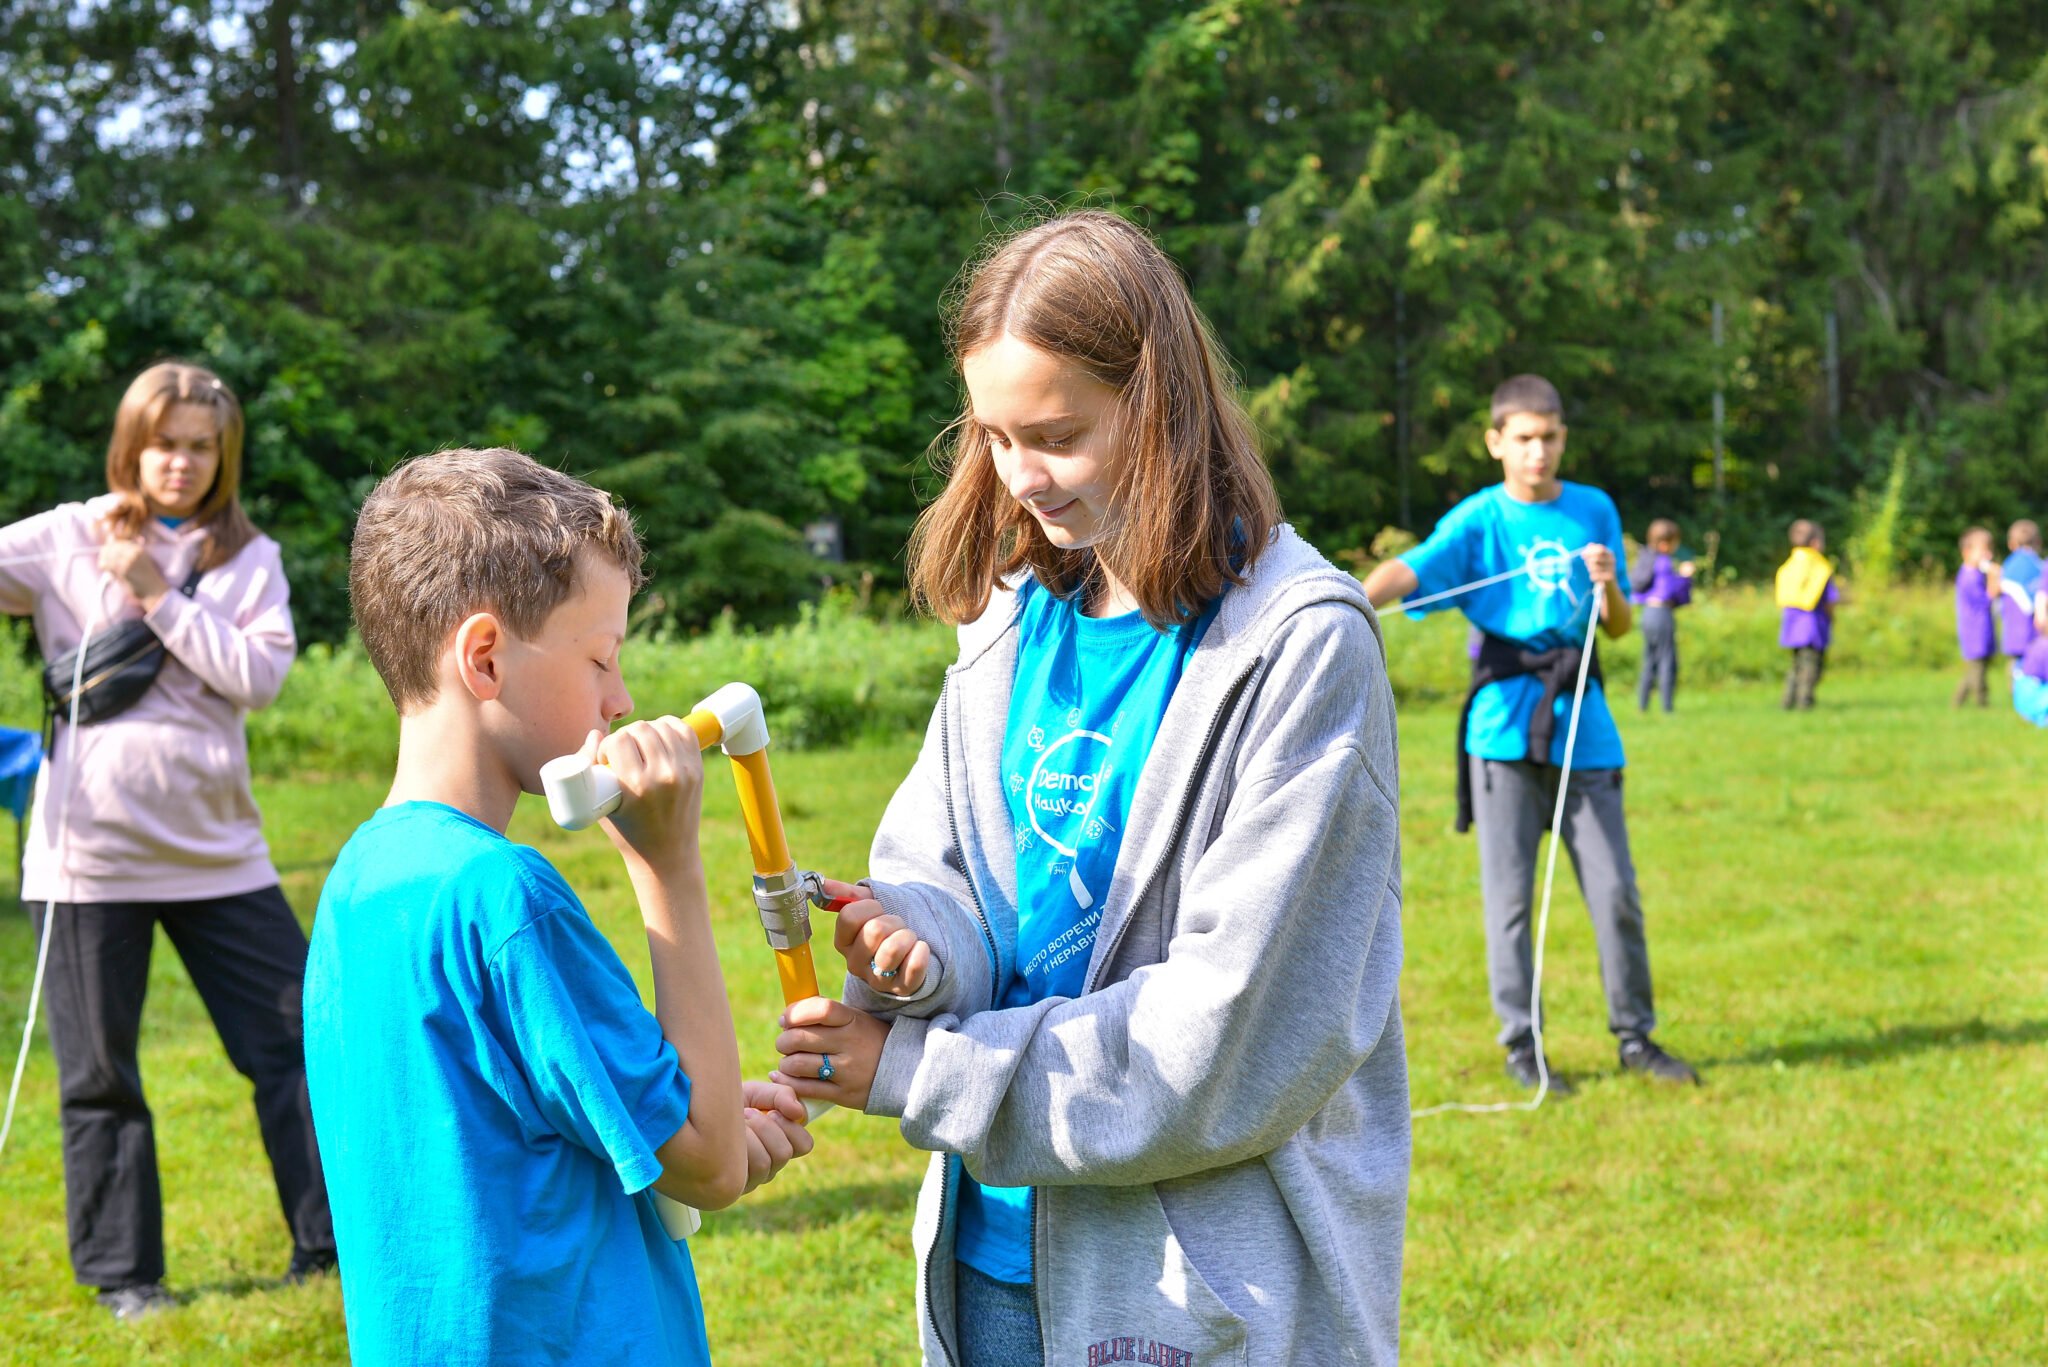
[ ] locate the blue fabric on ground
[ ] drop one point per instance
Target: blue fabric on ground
(21, 755)
(2030, 698)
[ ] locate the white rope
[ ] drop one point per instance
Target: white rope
(1531, 566)
(69, 769)
(1564, 778)
(47, 556)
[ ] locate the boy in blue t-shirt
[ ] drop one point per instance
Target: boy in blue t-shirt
(1565, 541)
(494, 1104)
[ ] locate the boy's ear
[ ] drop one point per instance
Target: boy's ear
(1493, 441)
(479, 655)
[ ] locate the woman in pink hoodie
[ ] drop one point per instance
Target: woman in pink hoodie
(145, 819)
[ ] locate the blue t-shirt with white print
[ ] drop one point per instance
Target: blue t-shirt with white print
(1085, 708)
(1547, 604)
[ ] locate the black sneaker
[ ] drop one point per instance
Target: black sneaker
(1522, 1068)
(1641, 1055)
(307, 1264)
(131, 1303)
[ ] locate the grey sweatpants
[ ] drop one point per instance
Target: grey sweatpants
(1512, 803)
(1660, 656)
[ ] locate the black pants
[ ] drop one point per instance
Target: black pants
(247, 956)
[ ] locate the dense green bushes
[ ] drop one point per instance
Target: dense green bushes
(833, 677)
(839, 676)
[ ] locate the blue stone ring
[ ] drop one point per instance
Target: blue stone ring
(825, 1069)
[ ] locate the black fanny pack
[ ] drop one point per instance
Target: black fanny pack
(120, 665)
(1503, 659)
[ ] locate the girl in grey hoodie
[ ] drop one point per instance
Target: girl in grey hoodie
(1127, 963)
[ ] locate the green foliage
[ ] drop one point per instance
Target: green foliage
(1882, 526)
(834, 676)
(747, 565)
(694, 248)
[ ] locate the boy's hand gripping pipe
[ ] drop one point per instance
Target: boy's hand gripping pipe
(580, 793)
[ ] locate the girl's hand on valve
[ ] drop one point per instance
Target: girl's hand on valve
(879, 949)
(829, 1052)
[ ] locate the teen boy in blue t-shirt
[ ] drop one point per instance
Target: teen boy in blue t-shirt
(1565, 541)
(495, 1105)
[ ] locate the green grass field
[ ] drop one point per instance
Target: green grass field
(1846, 928)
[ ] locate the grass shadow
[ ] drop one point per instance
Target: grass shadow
(802, 1211)
(234, 1288)
(1861, 1051)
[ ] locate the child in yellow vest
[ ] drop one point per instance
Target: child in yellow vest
(1807, 596)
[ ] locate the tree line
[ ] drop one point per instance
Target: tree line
(695, 251)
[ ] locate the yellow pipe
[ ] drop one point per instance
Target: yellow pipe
(710, 730)
(766, 840)
(761, 812)
(799, 975)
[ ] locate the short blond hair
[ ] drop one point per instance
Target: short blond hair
(465, 531)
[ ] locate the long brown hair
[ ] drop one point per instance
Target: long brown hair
(150, 396)
(1194, 504)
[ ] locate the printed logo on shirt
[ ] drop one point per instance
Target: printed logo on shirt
(1077, 939)
(1059, 799)
(1548, 565)
(1140, 1350)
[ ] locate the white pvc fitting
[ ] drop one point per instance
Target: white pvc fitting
(679, 1220)
(579, 792)
(738, 709)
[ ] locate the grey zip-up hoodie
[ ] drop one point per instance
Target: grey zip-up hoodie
(1218, 1127)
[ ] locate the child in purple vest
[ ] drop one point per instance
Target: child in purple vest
(1807, 595)
(1660, 588)
(1977, 586)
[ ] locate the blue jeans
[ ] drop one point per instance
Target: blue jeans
(998, 1321)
